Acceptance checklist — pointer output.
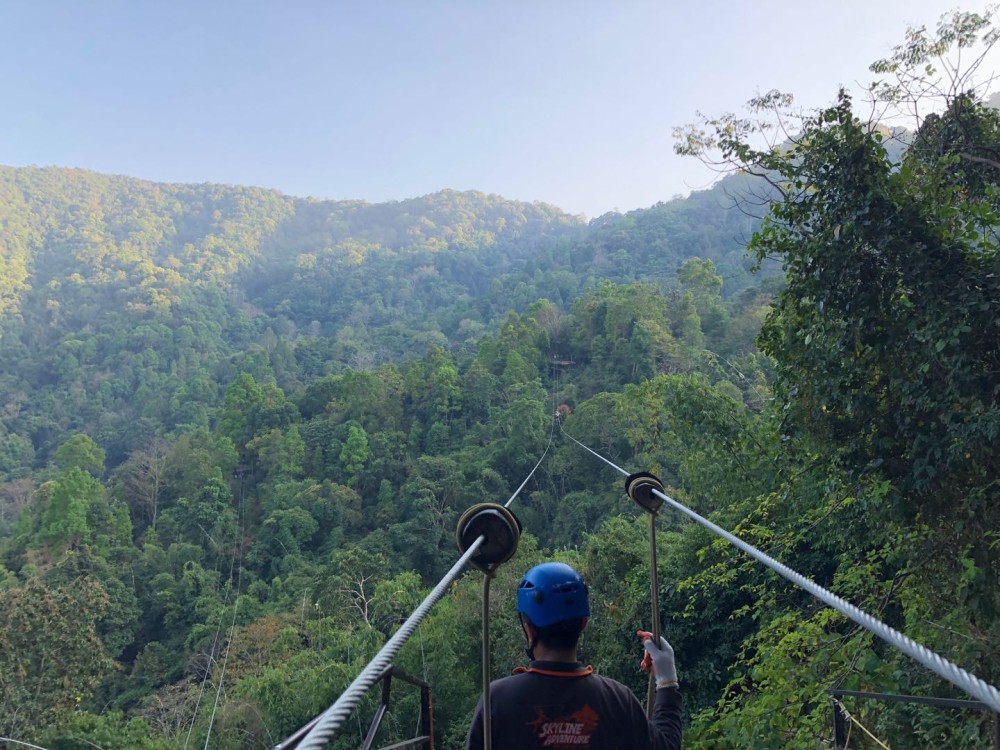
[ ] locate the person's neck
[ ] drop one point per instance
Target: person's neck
(554, 654)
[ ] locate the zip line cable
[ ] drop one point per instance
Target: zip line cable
(236, 606)
(954, 674)
(322, 729)
(225, 658)
(218, 630)
(531, 473)
(595, 453)
(19, 742)
(211, 658)
(225, 606)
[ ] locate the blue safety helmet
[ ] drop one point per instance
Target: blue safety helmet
(552, 592)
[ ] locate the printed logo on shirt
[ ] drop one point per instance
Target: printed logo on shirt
(566, 731)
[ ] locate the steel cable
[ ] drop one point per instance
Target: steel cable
(954, 674)
(20, 742)
(329, 721)
(323, 728)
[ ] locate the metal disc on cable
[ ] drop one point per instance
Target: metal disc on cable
(501, 529)
(640, 486)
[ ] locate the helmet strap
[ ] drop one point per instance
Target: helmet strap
(529, 643)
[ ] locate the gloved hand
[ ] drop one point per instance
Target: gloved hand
(660, 660)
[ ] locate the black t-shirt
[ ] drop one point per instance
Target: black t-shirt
(560, 705)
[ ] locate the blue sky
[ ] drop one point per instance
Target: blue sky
(571, 103)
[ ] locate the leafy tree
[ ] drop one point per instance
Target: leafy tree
(282, 537)
(51, 657)
(698, 276)
(280, 453)
(354, 453)
(112, 731)
(81, 452)
(885, 346)
(16, 455)
(194, 460)
(242, 397)
(206, 519)
(65, 519)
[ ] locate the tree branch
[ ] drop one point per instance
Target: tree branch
(981, 160)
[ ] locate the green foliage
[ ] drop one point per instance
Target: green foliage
(252, 450)
(242, 397)
(51, 658)
(208, 518)
(355, 452)
(290, 403)
(885, 349)
(65, 519)
(885, 275)
(80, 452)
(111, 731)
(16, 456)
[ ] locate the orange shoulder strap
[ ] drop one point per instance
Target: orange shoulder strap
(588, 670)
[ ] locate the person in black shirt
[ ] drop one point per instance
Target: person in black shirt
(556, 702)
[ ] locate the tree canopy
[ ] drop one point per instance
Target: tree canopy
(237, 430)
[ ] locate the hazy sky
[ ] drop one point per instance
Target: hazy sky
(571, 103)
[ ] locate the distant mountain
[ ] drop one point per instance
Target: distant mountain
(125, 305)
(77, 246)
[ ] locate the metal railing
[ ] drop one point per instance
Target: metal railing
(840, 722)
(425, 729)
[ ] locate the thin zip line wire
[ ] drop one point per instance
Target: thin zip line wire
(552, 432)
(609, 463)
(218, 630)
(211, 661)
(236, 606)
(531, 473)
(954, 674)
(225, 658)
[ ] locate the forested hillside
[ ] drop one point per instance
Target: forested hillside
(237, 430)
(208, 389)
(128, 305)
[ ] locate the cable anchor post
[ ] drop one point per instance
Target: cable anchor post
(643, 487)
(500, 531)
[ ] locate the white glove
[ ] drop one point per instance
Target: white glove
(664, 666)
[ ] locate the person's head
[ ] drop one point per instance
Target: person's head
(552, 598)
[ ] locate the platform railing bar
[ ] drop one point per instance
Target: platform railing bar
(415, 744)
(926, 700)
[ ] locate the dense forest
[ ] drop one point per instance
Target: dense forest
(237, 430)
